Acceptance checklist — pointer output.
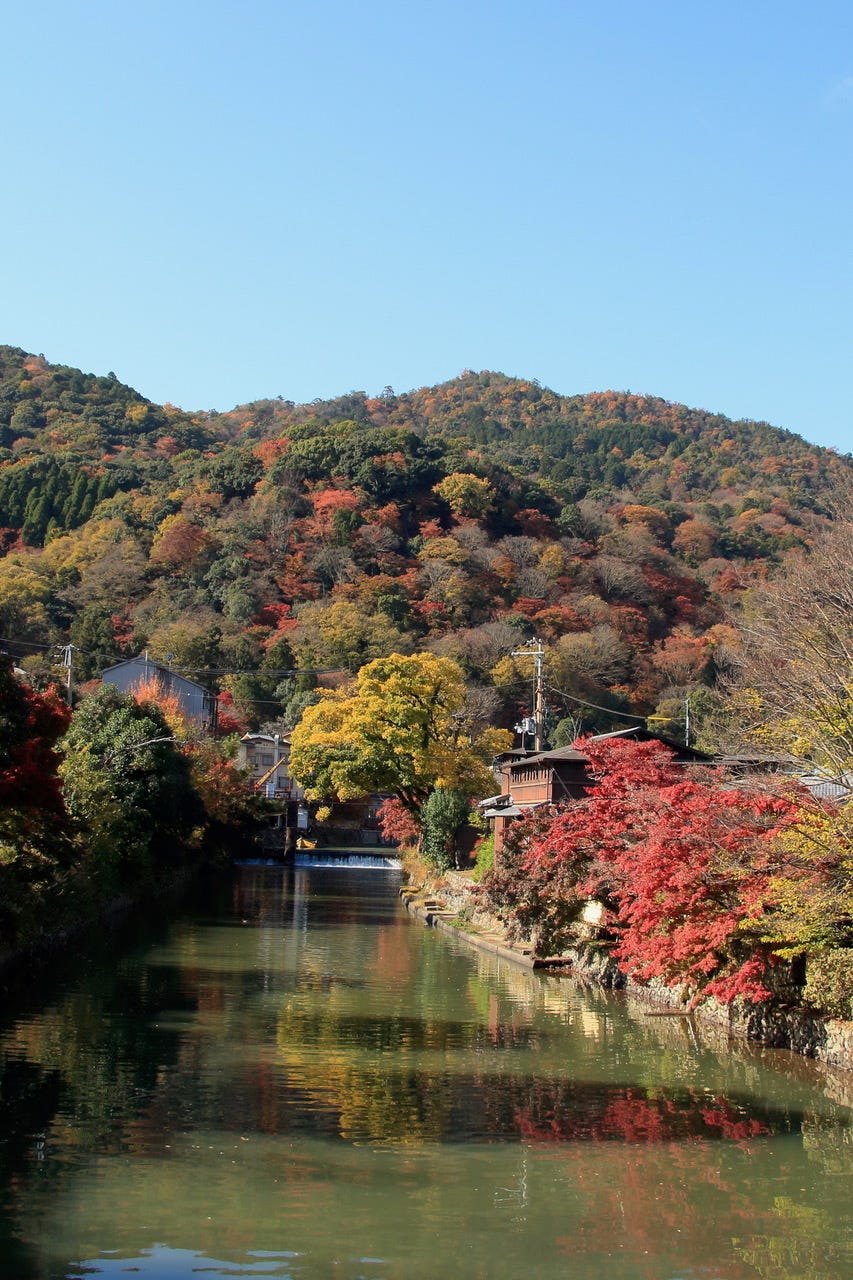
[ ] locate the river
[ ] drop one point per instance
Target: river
(292, 1078)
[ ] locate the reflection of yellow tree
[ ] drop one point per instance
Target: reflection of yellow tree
(374, 1104)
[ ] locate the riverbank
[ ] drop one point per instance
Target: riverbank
(448, 905)
(86, 920)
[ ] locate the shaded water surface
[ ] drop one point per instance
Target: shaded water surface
(296, 1080)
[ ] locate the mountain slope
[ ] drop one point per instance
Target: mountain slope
(259, 545)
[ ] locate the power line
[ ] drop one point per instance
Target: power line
(29, 644)
(261, 672)
(623, 715)
(581, 702)
(199, 671)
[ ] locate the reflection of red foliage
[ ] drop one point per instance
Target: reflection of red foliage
(738, 1128)
(645, 1199)
(631, 1115)
(658, 1176)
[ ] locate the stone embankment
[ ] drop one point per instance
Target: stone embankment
(449, 905)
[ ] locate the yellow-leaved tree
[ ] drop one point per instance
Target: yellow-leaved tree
(401, 727)
(466, 494)
(808, 904)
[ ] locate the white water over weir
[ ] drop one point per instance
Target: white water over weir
(344, 858)
(331, 859)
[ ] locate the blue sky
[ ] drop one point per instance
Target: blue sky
(222, 202)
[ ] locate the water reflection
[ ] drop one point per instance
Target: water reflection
(295, 1079)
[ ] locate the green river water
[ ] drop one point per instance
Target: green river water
(293, 1078)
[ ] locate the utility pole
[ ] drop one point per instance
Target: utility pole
(538, 652)
(687, 722)
(67, 652)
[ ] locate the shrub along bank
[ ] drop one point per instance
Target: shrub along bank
(114, 801)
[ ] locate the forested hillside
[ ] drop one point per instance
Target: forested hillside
(262, 546)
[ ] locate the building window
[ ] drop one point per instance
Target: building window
(265, 759)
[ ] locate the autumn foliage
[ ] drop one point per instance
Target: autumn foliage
(30, 726)
(623, 521)
(35, 847)
(683, 864)
(401, 727)
(397, 824)
(273, 550)
(214, 779)
(112, 800)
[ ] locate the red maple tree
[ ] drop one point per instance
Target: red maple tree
(682, 861)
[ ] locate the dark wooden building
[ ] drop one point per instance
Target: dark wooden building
(529, 781)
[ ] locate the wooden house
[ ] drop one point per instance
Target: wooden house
(529, 781)
(266, 758)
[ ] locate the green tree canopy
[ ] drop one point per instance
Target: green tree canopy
(127, 785)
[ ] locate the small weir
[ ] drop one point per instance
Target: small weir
(340, 859)
(330, 859)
